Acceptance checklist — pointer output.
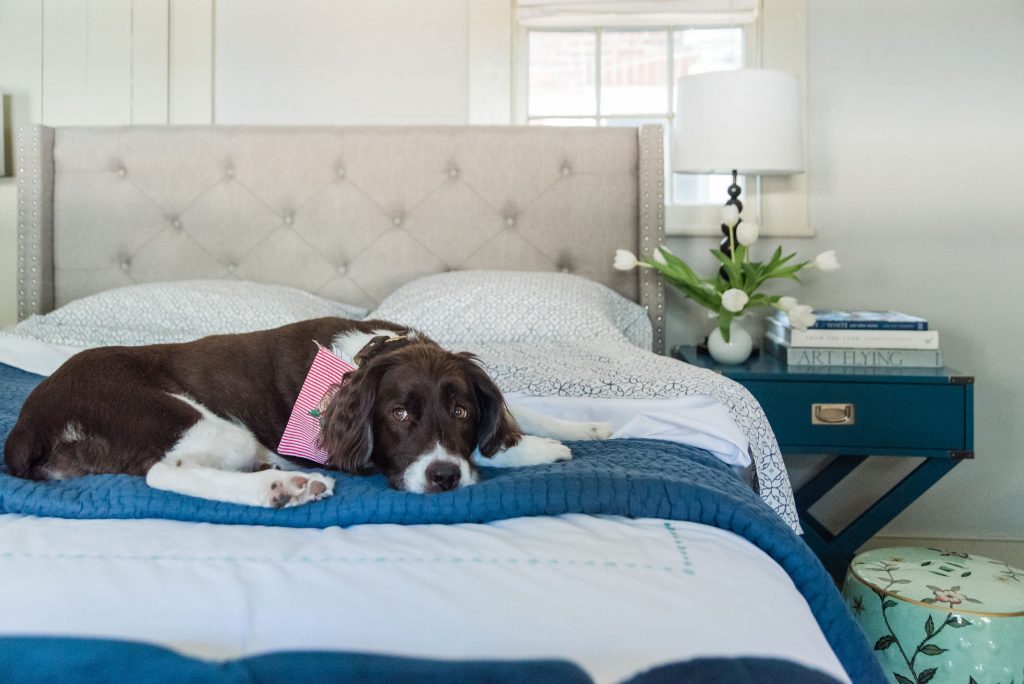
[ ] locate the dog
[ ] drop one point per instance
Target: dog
(204, 418)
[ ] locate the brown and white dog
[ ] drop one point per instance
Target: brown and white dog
(203, 418)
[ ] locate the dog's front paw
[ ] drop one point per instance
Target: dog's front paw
(530, 451)
(290, 489)
(593, 431)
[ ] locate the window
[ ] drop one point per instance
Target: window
(626, 77)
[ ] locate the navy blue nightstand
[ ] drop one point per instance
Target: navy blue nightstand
(850, 414)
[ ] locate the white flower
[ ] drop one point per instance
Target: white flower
(734, 300)
(801, 318)
(730, 215)
(746, 233)
(827, 261)
(659, 257)
(625, 260)
(787, 303)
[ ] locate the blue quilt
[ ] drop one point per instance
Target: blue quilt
(630, 477)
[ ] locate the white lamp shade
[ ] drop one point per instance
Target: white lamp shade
(746, 120)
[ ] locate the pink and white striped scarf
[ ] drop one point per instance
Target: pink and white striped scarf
(322, 381)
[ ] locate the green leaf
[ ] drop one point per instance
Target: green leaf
(930, 599)
(724, 321)
(929, 627)
(927, 675)
(888, 603)
(957, 622)
(932, 650)
(903, 680)
(901, 581)
(926, 563)
(731, 268)
(885, 642)
(966, 574)
(971, 600)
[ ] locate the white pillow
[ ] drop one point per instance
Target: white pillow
(515, 306)
(179, 311)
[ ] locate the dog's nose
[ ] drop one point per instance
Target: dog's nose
(443, 476)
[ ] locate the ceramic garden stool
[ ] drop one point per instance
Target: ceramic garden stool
(940, 616)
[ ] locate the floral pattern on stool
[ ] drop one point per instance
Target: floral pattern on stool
(940, 615)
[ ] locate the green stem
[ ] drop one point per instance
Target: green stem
(885, 618)
(929, 638)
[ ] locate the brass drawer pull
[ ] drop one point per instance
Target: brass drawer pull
(832, 414)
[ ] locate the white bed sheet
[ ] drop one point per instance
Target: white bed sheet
(614, 595)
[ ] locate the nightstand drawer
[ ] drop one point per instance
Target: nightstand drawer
(897, 416)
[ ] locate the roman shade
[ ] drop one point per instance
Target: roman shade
(626, 13)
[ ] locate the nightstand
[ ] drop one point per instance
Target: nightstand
(848, 414)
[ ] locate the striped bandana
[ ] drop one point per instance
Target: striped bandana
(322, 381)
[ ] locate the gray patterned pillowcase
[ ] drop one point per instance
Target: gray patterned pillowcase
(515, 306)
(181, 311)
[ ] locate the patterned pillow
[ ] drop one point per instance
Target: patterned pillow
(515, 306)
(179, 311)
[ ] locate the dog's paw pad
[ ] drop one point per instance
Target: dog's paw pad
(300, 489)
(601, 430)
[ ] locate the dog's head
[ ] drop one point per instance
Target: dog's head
(416, 413)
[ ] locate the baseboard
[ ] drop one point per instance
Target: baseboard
(1008, 550)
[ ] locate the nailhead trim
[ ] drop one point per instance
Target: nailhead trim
(652, 226)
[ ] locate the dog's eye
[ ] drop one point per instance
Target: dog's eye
(460, 412)
(400, 414)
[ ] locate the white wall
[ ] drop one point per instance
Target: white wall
(914, 116)
(317, 62)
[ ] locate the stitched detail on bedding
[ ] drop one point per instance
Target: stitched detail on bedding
(680, 545)
(443, 560)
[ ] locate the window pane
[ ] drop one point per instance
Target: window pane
(634, 72)
(564, 121)
(665, 128)
(694, 188)
(698, 51)
(561, 76)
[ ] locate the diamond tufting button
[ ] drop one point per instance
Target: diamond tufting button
(566, 170)
(125, 264)
(340, 171)
(122, 172)
(232, 267)
(453, 172)
(289, 219)
(510, 221)
(397, 221)
(176, 223)
(342, 269)
(229, 172)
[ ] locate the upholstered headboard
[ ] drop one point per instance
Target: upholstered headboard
(347, 213)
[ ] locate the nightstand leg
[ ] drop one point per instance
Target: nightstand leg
(836, 550)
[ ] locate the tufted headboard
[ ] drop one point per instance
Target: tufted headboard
(346, 213)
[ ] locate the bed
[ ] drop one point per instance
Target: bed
(646, 556)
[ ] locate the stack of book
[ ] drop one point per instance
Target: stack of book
(875, 339)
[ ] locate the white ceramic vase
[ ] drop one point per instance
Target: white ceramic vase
(736, 350)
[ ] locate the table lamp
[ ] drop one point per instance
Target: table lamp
(742, 121)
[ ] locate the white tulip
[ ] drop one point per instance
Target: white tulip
(801, 318)
(787, 303)
(746, 233)
(734, 300)
(730, 215)
(625, 260)
(827, 261)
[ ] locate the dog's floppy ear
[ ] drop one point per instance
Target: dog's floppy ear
(496, 428)
(346, 427)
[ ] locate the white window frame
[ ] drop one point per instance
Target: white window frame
(777, 40)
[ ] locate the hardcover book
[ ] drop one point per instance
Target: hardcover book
(873, 358)
(863, 320)
(854, 339)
